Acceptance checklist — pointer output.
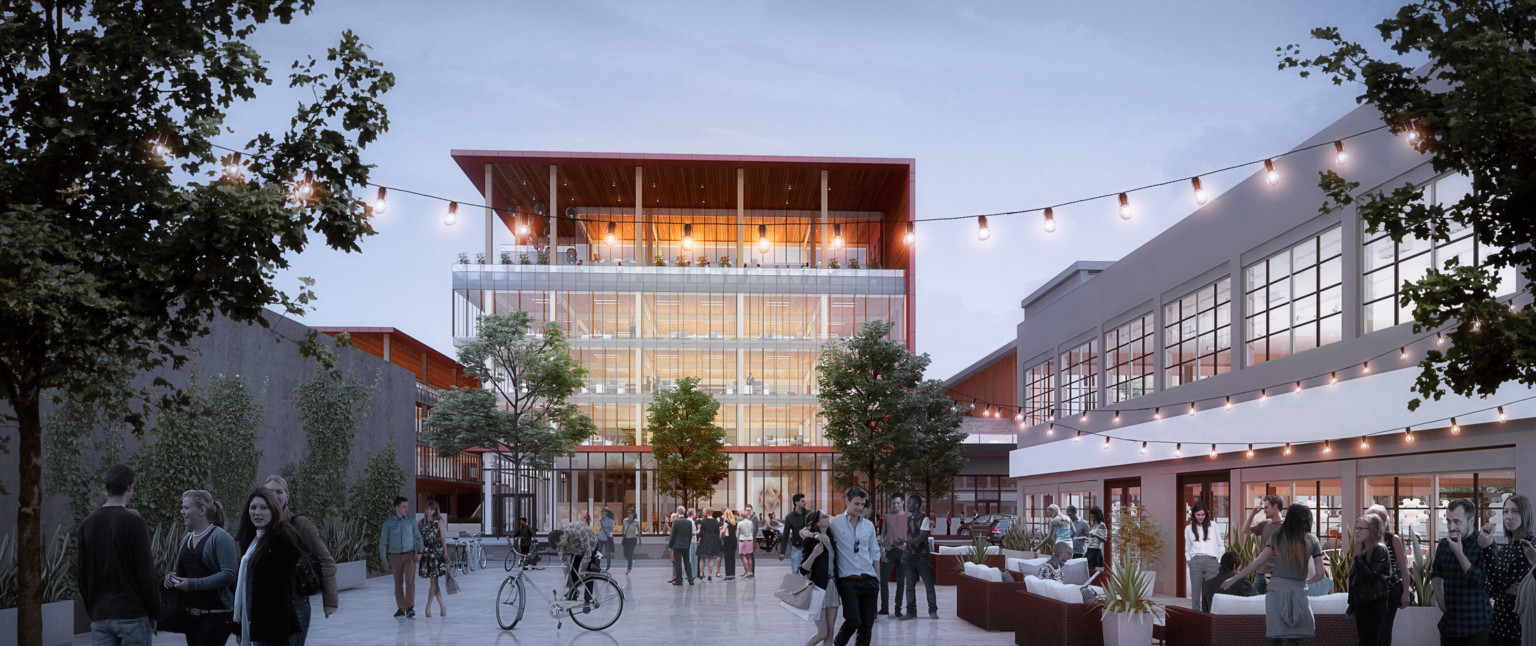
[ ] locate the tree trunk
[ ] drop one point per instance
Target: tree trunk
(29, 507)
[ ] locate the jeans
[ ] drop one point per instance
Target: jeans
(1201, 568)
(629, 551)
(606, 549)
(680, 564)
(121, 632)
(918, 565)
(1480, 639)
(859, 598)
(1369, 617)
(693, 556)
(892, 570)
(795, 556)
(208, 630)
(300, 608)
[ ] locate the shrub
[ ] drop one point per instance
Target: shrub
(463, 258)
(853, 263)
(1125, 591)
(977, 555)
(346, 540)
(506, 257)
(522, 259)
(1017, 538)
(373, 496)
(330, 407)
(58, 567)
(209, 443)
(1136, 535)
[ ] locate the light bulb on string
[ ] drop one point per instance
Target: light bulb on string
(982, 231)
(612, 237)
(1439, 338)
(381, 203)
(1263, 395)
(1213, 451)
(304, 188)
(1339, 154)
(1078, 439)
(1117, 417)
(1327, 446)
(1287, 448)
(1229, 402)
(1191, 409)
(1402, 353)
(1455, 428)
(1365, 442)
(837, 235)
(1125, 207)
(1365, 368)
(763, 244)
(1157, 413)
(1143, 447)
(1050, 221)
(1413, 132)
(1084, 418)
(1200, 196)
(1333, 377)
(1250, 450)
(1106, 443)
(911, 235)
(1502, 416)
(1019, 418)
(1178, 450)
(687, 236)
(1408, 434)
(161, 150)
(522, 227)
(1298, 387)
(452, 215)
(1050, 429)
(1270, 174)
(234, 170)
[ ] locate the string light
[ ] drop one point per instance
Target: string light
(453, 214)
(1408, 434)
(1365, 368)
(1078, 439)
(381, 203)
(1263, 395)
(1178, 450)
(1213, 451)
(161, 150)
(1339, 154)
(1439, 338)
(1050, 430)
(837, 235)
(1125, 207)
(1327, 446)
(1365, 442)
(763, 244)
(1106, 443)
(1229, 402)
(1117, 417)
(687, 236)
(1413, 132)
(1250, 450)
(1200, 196)
(1157, 413)
(304, 188)
(522, 227)
(1502, 416)
(612, 236)
(1333, 377)
(1455, 428)
(1270, 174)
(911, 235)
(1403, 353)
(233, 170)
(1287, 448)
(1019, 418)
(1084, 418)
(1143, 447)
(1050, 220)
(982, 232)
(1298, 387)
(1191, 409)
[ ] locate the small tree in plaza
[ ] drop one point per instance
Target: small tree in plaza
(522, 414)
(1471, 110)
(686, 442)
(866, 385)
(931, 461)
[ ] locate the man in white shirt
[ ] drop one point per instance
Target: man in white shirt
(857, 582)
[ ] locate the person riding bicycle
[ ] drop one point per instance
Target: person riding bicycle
(577, 539)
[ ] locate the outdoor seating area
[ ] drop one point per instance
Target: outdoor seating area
(946, 569)
(1239, 621)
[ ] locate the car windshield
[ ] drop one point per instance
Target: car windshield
(1004, 523)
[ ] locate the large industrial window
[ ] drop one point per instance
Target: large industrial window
(1039, 388)
(1417, 503)
(1128, 360)
(1079, 379)
(1295, 299)
(1197, 334)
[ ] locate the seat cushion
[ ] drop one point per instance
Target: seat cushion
(1063, 592)
(1330, 604)
(1029, 567)
(1227, 604)
(1075, 571)
(969, 569)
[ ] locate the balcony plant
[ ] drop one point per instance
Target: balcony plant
(853, 263)
(544, 257)
(1016, 543)
(463, 258)
(479, 258)
(703, 261)
(977, 555)
(506, 257)
(522, 259)
(874, 264)
(725, 261)
(1129, 611)
(834, 265)
(658, 261)
(682, 262)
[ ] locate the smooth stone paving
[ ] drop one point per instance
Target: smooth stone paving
(719, 612)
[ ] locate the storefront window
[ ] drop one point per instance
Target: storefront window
(1409, 499)
(1325, 497)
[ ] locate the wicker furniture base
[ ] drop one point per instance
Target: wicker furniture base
(987, 605)
(1041, 621)
(1194, 628)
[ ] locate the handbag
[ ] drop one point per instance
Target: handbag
(305, 579)
(795, 591)
(452, 584)
(174, 617)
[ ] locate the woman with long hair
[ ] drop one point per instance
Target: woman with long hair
(434, 556)
(1202, 552)
(205, 570)
(819, 564)
(265, 586)
(631, 538)
(1504, 572)
(1369, 579)
(709, 543)
(1060, 530)
(1098, 534)
(605, 527)
(728, 544)
(1398, 593)
(1287, 616)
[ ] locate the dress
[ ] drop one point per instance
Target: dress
(434, 562)
(744, 530)
(709, 537)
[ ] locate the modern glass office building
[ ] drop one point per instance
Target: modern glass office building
(733, 270)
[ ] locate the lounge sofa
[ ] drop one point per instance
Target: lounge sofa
(1239, 621)
(984, 596)
(1048, 613)
(945, 571)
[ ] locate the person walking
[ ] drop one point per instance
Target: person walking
(1079, 533)
(790, 542)
(1202, 553)
(631, 538)
(916, 561)
(893, 531)
(264, 585)
(605, 527)
(679, 540)
(857, 581)
(400, 547)
(1507, 567)
(522, 537)
(819, 564)
(434, 555)
(710, 529)
(1458, 580)
(1098, 534)
(115, 570)
(316, 550)
(1368, 579)
(1287, 615)
(205, 570)
(1398, 593)
(1270, 507)
(728, 544)
(746, 528)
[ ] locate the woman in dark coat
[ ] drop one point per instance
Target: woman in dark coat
(264, 590)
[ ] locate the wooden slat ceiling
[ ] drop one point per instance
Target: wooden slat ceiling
(521, 186)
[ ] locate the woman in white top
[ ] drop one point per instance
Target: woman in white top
(1202, 551)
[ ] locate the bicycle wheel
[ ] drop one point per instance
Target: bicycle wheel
(482, 558)
(510, 602)
(604, 602)
(470, 562)
(512, 558)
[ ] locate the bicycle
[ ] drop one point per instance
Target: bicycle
(516, 557)
(594, 600)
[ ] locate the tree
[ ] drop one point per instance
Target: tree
(81, 440)
(931, 461)
(208, 443)
(114, 254)
(686, 442)
(373, 497)
(866, 383)
(330, 407)
(523, 415)
(1470, 109)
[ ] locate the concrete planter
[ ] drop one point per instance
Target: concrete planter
(1416, 624)
(351, 575)
(1127, 629)
(58, 622)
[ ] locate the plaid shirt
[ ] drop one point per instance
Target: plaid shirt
(1466, 602)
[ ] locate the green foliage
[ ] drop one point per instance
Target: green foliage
(853, 263)
(1339, 561)
(480, 258)
(58, 568)
(522, 259)
(1247, 547)
(874, 264)
(725, 261)
(463, 258)
(1017, 538)
(373, 497)
(834, 264)
(1421, 559)
(208, 443)
(1471, 107)
(165, 543)
(686, 442)
(865, 388)
(977, 554)
(506, 257)
(523, 414)
(1136, 536)
(346, 539)
(81, 440)
(543, 257)
(931, 461)
(1126, 590)
(658, 261)
(703, 261)
(330, 408)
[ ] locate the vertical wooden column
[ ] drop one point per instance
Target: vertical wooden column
(490, 217)
(639, 227)
(741, 214)
(554, 213)
(821, 219)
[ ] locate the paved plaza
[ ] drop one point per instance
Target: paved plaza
(740, 611)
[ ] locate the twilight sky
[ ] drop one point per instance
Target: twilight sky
(1004, 105)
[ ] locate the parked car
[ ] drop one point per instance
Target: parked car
(986, 524)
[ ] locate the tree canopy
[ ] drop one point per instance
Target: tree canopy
(1470, 110)
(686, 442)
(931, 461)
(866, 386)
(120, 234)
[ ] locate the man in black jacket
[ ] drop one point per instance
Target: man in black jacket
(522, 537)
(1229, 564)
(791, 541)
(917, 561)
(115, 570)
(681, 537)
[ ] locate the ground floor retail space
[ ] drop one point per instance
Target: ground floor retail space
(1414, 480)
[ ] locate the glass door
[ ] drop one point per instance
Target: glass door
(1118, 494)
(1212, 488)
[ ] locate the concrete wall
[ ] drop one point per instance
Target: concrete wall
(270, 360)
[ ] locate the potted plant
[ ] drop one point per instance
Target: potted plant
(834, 265)
(1423, 617)
(853, 263)
(682, 262)
(1339, 561)
(703, 261)
(1016, 543)
(874, 264)
(977, 555)
(58, 587)
(479, 258)
(658, 261)
(1129, 611)
(543, 257)
(344, 537)
(522, 259)
(725, 261)
(463, 258)
(506, 257)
